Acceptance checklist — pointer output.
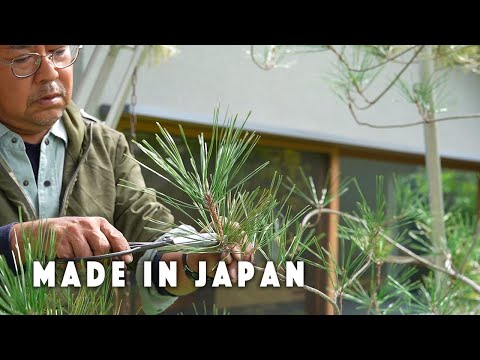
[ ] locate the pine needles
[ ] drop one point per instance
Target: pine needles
(18, 296)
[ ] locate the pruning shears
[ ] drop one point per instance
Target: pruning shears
(198, 240)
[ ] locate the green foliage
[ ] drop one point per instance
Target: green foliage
(374, 239)
(371, 272)
(371, 240)
(18, 296)
(460, 190)
(214, 311)
(219, 200)
(467, 56)
(415, 232)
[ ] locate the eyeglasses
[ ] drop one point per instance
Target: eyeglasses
(28, 64)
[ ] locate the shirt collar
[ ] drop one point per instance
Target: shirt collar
(3, 130)
(58, 129)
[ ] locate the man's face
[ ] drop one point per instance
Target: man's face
(33, 104)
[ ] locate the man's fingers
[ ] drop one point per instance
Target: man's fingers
(232, 271)
(236, 253)
(80, 246)
(227, 257)
(249, 253)
(101, 245)
(116, 239)
(64, 250)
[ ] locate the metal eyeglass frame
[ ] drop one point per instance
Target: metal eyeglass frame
(39, 61)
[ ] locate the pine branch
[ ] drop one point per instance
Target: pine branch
(415, 123)
(310, 289)
(446, 270)
(213, 212)
(385, 90)
(380, 64)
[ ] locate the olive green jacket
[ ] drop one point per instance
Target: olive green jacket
(95, 162)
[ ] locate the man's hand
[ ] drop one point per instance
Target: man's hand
(77, 236)
(231, 258)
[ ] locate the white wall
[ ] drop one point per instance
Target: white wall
(296, 101)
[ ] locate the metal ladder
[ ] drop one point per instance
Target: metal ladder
(96, 74)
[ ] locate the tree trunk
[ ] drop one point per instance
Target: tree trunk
(434, 174)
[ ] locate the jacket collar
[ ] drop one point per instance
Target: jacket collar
(76, 130)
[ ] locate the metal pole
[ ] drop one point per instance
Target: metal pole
(116, 109)
(95, 96)
(90, 75)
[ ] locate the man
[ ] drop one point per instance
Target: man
(60, 165)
